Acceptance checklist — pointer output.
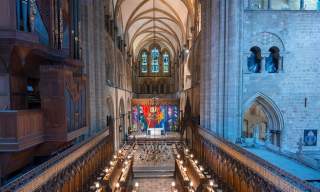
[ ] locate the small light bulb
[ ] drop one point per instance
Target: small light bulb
(178, 156)
(97, 185)
(196, 161)
(191, 184)
(117, 185)
(211, 183)
(173, 184)
(191, 156)
(136, 184)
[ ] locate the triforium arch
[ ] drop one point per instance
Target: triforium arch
(110, 107)
(271, 113)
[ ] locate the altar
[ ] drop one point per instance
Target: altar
(155, 116)
(155, 131)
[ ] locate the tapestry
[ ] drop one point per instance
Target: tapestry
(162, 116)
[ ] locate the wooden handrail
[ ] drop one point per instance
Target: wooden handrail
(271, 173)
(40, 175)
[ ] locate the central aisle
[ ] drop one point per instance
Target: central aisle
(153, 159)
(153, 166)
(155, 184)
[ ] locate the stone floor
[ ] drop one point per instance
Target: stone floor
(154, 184)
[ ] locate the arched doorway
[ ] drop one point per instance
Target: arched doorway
(129, 130)
(262, 121)
(110, 115)
(121, 127)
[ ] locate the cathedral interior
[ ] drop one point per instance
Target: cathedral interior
(159, 95)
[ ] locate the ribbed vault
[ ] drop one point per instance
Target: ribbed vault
(166, 21)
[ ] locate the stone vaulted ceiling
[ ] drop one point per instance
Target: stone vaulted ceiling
(166, 22)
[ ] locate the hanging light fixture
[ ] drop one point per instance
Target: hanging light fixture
(154, 21)
(154, 98)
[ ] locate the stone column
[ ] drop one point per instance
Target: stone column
(220, 79)
(233, 71)
(8, 15)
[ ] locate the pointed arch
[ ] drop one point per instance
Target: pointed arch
(273, 113)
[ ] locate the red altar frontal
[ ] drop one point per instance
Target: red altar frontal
(155, 116)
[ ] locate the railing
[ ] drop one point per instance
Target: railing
(273, 174)
(40, 175)
(20, 129)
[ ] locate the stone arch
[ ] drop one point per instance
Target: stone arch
(265, 40)
(146, 87)
(187, 109)
(110, 105)
(254, 60)
(129, 128)
(273, 116)
(163, 85)
(3, 66)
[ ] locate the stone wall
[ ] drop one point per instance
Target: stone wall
(295, 89)
(106, 67)
(228, 89)
(220, 69)
(93, 55)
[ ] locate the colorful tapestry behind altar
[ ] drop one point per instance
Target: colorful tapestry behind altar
(163, 116)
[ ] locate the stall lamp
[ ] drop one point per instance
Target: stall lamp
(119, 151)
(114, 156)
(191, 156)
(117, 185)
(106, 170)
(178, 156)
(111, 163)
(201, 168)
(136, 184)
(126, 162)
(173, 184)
(196, 162)
(97, 185)
(211, 183)
(191, 184)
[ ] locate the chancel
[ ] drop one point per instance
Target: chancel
(159, 95)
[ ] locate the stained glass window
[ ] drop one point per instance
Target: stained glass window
(166, 63)
(155, 60)
(144, 62)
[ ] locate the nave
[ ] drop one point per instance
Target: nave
(161, 166)
(159, 95)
